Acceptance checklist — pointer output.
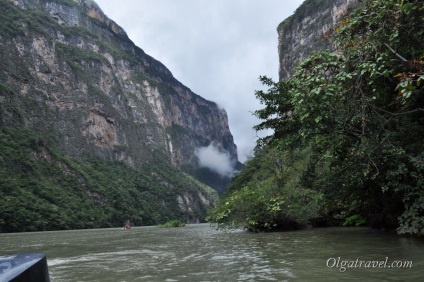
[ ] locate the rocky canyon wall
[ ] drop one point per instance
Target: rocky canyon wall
(301, 33)
(76, 73)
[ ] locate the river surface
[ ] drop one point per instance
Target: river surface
(202, 253)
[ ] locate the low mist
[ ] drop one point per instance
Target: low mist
(219, 162)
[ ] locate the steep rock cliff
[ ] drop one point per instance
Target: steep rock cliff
(85, 80)
(70, 74)
(301, 33)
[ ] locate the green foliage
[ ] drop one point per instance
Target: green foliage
(173, 223)
(76, 56)
(14, 21)
(265, 206)
(70, 3)
(5, 89)
(360, 114)
(412, 219)
(269, 197)
(9, 19)
(355, 220)
(43, 189)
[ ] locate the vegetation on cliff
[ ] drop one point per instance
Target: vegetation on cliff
(43, 189)
(348, 132)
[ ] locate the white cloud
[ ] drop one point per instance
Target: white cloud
(219, 162)
(217, 48)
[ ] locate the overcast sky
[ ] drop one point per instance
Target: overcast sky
(217, 48)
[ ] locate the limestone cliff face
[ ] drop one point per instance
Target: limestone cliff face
(300, 34)
(76, 74)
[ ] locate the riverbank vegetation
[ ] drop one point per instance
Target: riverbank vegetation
(173, 223)
(347, 146)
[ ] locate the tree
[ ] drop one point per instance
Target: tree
(360, 111)
(271, 196)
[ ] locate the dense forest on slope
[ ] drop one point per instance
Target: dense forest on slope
(348, 134)
(43, 189)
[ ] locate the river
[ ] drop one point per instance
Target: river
(202, 253)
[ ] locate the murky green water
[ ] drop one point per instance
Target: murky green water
(201, 253)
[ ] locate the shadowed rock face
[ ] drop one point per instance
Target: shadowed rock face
(300, 34)
(74, 72)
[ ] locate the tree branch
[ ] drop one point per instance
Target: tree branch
(401, 113)
(394, 52)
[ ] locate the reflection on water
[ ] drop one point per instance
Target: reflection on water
(202, 253)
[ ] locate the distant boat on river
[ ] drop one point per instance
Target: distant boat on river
(127, 225)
